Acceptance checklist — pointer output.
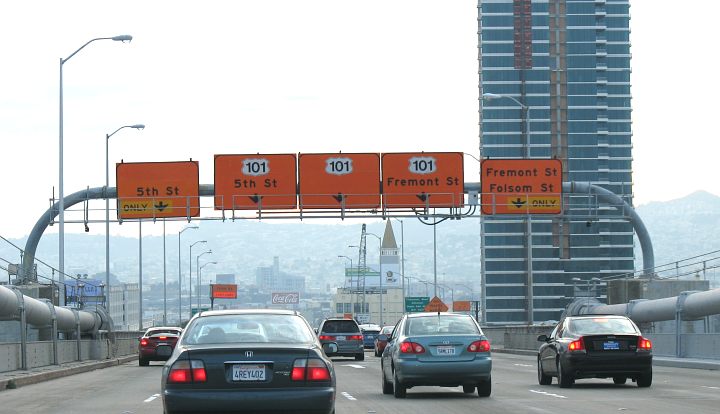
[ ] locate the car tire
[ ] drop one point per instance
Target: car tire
(399, 390)
(143, 362)
(565, 380)
(484, 388)
(360, 357)
(468, 389)
(542, 378)
(645, 379)
(387, 386)
(619, 380)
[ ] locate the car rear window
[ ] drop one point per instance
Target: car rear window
(600, 326)
(156, 332)
(442, 325)
(340, 327)
(222, 329)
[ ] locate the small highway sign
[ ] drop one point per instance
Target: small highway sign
(416, 303)
(461, 306)
(158, 189)
(419, 179)
(521, 186)
(255, 182)
(436, 305)
(337, 180)
(223, 291)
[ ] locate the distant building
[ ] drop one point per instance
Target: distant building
(225, 278)
(125, 306)
(270, 279)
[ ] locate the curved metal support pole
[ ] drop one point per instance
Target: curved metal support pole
(627, 210)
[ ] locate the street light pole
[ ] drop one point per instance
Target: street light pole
(180, 275)
(351, 296)
(61, 195)
(140, 283)
(382, 319)
(190, 279)
(200, 279)
(197, 277)
(107, 207)
(402, 258)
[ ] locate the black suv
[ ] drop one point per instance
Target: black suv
(341, 337)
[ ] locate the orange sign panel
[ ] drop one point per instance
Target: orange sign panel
(436, 305)
(255, 182)
(419, 179)
(226, 291)
(336, 180)
(158, 189)
(461, 306)
(521, 186)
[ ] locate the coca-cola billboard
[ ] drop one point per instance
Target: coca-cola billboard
(285, 298)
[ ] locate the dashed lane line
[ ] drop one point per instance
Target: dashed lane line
(354, 366)
(152, 397)
(348, 396)
(548, 394)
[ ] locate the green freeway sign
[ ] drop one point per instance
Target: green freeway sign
(416, 303)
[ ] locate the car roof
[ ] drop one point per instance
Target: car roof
(425, 314)
(162, 328)
(339, 319)
(247, 312)
(597, 316)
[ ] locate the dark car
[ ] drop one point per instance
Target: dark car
(593, 346)
(437, 348)
(382, 339)
(157, 344)
(342, 337)
(250, 361)
(370, 332)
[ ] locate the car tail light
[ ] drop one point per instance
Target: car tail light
(479, 346)
(327, 338)
(310, 369)
(187, 371)
(162, 338)
(411, 348)
(644, 344)
(577, 345)
(143, 342)
(355, 338)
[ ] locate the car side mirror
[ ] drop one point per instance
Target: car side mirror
(330, 348)
(316, 330)
(542, 338)
(383, 337)
(139, 338)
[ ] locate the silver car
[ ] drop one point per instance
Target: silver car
(342, 337)
(438, 348)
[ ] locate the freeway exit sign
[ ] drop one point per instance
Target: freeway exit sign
(416, 303)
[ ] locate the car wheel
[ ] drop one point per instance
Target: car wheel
(143, 362)
(542, 378)
(565, 381)
(619, 380)
(387, 386)
(468, 389)
(399, 390)
(360, 357)
(484, 388)
(645, 379)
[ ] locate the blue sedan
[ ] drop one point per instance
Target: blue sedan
(438, 348)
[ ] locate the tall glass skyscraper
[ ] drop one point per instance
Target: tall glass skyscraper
(568, 62)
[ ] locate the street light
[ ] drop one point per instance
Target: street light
(197, 270)
(402, 258)
(107, 207)
(351, 266)
(180, 275)
(190, 279)
(526, 153)
(382, 319)
(61, 201)
(199, 277)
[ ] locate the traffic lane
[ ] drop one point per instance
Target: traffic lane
(515, 389)
(124, 389)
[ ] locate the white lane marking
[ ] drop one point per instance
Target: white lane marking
(354, 366)
(548, 394)
(152, 397)
(348, 396)
(523, 365)
(712, 388)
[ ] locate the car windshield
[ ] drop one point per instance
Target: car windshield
(442, 325)
(593, 326)
(387, 330)
(340, 327)
(222, 329)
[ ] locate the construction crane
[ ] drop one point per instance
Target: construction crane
(362, 265)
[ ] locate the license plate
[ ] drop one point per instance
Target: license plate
(246, 372)
(611, 345)
(163, 350)
(446, 350)
(340, 338)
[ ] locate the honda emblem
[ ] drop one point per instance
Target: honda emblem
(248, 354)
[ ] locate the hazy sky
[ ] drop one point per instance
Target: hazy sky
(303, 76)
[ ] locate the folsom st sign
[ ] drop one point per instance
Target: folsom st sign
(521, 186)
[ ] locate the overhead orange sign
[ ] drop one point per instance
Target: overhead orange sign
(461, 306)
(337, 180)
(436, 305)
(158, 189)
(223, 291)
(521, 186)
(255, 182)
(419, 179)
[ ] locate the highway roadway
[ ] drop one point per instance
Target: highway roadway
(130, 389)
